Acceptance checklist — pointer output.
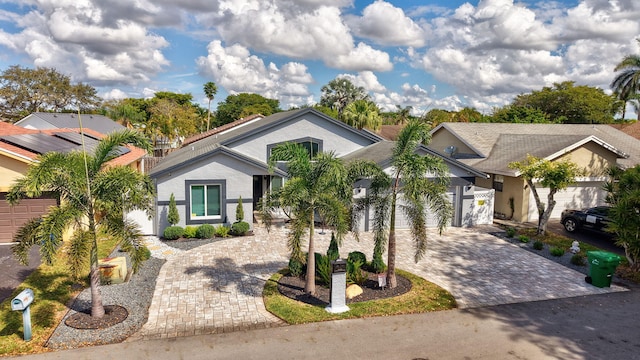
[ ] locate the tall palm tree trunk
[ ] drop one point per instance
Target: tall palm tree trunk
(310, 285)
(391, 252)
(97, 309)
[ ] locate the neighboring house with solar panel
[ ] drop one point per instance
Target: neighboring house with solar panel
(48, 121)
(209, 175)
(490, 147)
(20, 147)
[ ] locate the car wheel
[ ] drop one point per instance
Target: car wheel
(570, 225)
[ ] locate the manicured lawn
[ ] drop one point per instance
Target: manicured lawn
(53, 287)
(423, 297)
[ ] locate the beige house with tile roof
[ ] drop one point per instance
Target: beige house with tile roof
(20, 147)
(490, 147)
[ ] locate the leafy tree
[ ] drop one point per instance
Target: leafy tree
(555, 175)
(569, 104)
(519, 114)
(126, 114)
(316, 185)
(210, 91)
(340, 92)
(92, 195)
(170, 120)
(437, 116)
(24, 91)
(237, 106)
(418, 193)
(624, 196)
(626, 84)
(327, 110)
(173, 217)
(468, 114)
(362, 114)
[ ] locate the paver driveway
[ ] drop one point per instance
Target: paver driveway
(217, 287)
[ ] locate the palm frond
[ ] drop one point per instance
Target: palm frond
(26, 237)
(108, 147)
(78, 250)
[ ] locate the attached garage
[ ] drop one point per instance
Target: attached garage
(13, 217)
(582, 195)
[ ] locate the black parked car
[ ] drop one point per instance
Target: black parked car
(595, 218)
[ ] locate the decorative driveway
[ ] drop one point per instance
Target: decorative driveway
(217, 287)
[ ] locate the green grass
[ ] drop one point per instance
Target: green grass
(424, 296)
(53, 287)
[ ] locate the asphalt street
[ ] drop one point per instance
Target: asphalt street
(13, 273)
(586, 327)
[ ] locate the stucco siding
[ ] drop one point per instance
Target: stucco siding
(10, 170)
(591, 157)
(441, 139)
(236, 175)
(333, 137)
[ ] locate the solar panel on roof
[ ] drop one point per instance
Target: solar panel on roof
(89, 141)
(39, 143)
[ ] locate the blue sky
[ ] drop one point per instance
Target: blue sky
(423, 54)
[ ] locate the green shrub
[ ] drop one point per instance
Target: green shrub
(511, 232)
(323, 269)
(205, 231)
(222, 231)
(556, 251)
(296, 267)
(523, 238)
(355, 274)
(190, 231)
(239, 211)
(538, 245)
(357, 256)
(577, 260)
(333, 252)
(173, 217)
(377, 264)
(173, 232)
(239, 228)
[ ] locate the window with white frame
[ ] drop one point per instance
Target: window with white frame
(205, 201)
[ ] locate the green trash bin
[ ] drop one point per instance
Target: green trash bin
(602, 266)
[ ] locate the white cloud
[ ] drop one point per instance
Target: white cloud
(237, 70)
(75, 38)
(114, 94)
(388, 25)
(311, 32)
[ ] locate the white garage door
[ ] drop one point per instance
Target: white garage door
(582, 195)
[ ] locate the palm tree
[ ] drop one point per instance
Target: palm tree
(627, 82)
(316, 185)
(93, 194)
(340, 92)
(362, 114)
(410, 183)
(210, 90)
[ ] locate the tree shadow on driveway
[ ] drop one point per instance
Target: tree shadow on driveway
(225, 275)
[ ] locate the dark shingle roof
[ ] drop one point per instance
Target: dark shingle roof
(500, 143)
(99, 123)
(199, 148)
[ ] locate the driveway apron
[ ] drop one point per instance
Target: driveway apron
(217, 287)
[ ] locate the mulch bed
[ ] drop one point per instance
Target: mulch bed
(293, 287)
(113, 314)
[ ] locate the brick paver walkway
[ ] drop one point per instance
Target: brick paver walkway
(217, 287)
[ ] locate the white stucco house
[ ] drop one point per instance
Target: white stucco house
(207, 177)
